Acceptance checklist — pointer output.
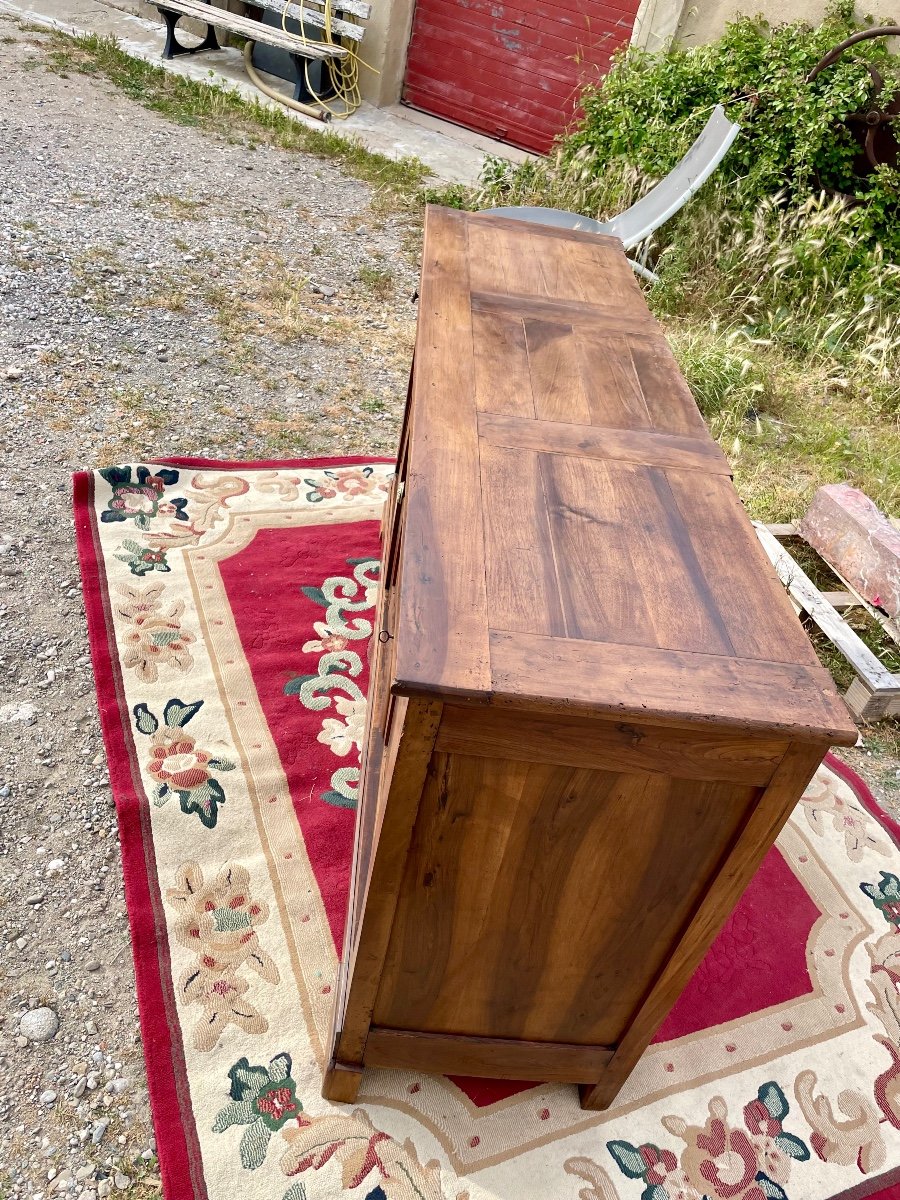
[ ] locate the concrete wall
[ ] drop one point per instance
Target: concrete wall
(704, 20)
(384, 47)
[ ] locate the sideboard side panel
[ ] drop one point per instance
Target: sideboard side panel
(539, 900)
(763, 826)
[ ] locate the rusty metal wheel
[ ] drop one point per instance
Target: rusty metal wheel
(871, 128)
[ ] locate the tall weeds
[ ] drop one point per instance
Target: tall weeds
(795, 276)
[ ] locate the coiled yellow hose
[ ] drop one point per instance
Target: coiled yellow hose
(307, 109)
(344, 72)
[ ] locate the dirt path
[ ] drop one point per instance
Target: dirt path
(160, 291)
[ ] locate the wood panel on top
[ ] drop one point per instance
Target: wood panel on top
(443, 615)
(647, 447)
(564, 486)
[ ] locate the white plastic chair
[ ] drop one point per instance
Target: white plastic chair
(660, 203)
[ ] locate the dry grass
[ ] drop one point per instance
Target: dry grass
(787, 427)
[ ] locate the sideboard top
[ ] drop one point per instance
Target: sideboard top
(572, 536)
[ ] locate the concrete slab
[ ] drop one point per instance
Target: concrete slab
(455, 155)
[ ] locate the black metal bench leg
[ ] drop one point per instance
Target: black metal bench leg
(301, 87)
(173, 46)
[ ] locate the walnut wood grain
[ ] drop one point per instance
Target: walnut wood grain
(518, 543)
(567, 236)
(504, 1058)
(596, 708)
(627, 746)
(364, 959)
(442, 622)
(666, 394)
(593, 505)
(497, 338)
(704, 689)
(558, 386)
(646, 447)
(574, 313)
(734, 576)
(341, 1083)
(764, 822)
(499, 846)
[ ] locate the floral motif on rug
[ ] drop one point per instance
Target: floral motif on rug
(230, 609)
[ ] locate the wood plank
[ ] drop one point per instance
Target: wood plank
(502, 380)
(608, 745)
(764, 822)
(841, 600)
(867, 705)
(601, 591)
(745, 589)
(551, 232)
(341, 1083)
(875, 675)
(499, 256)
(254, 30)
(415, 742)
(643, 681)
(497, 1058)
(512, 863)
(557, 382)
(520, 571)
(557, 267)
(310, 15)
(606, 517)
(645, 447)
(603, 274)
(357, 8)
(610, 320)
(789, 529)
(666, 393)
(614, 391)
(442, 624)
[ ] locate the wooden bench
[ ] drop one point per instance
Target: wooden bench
(299, 49)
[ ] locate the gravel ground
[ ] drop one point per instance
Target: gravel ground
(161, 291)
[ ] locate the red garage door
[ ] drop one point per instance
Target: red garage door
(511, 68)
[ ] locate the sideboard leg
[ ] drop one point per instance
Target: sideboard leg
(597, 1097)
(341, 1083)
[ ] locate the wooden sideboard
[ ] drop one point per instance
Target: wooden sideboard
(592, 705)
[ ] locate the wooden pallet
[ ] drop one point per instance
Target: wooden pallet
(875, 692)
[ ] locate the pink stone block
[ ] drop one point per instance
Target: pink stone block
(858, 541)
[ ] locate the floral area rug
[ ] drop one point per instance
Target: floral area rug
(230, 607)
